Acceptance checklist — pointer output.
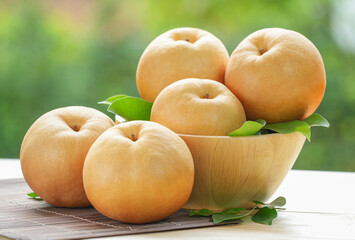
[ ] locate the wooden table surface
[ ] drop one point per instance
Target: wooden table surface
(320, 205)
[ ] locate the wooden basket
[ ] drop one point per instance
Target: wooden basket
(234, 171)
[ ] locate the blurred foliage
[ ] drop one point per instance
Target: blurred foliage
(61, 53)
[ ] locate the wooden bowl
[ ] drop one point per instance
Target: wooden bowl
(234, 171)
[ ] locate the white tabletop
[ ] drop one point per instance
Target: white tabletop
(320, 205)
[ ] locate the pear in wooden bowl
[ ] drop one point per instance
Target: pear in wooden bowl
(234, 171)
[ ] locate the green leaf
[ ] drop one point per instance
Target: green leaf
(112, 99)
(131, 108)
(265, 215)
(233, 210)
(258, 202)
(290, 127)
(203, 212)
(221, 217)
(34, 196)
(317, 120)
(278, 202)
(248, 128)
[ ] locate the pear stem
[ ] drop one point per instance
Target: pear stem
(262, 51)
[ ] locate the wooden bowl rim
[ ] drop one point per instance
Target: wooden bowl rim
(238, 137)
(118, 118)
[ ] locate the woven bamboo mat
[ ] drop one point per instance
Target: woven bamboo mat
(24, 218)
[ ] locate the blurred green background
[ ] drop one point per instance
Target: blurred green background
(61, 53)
